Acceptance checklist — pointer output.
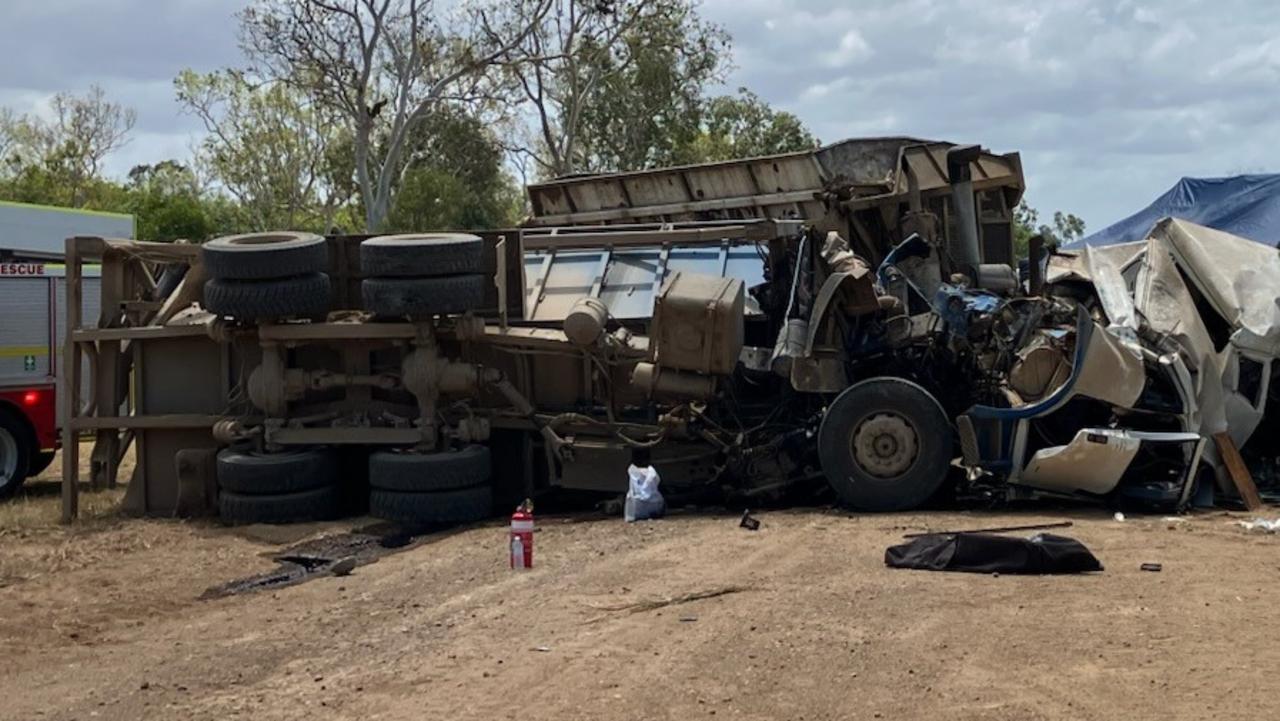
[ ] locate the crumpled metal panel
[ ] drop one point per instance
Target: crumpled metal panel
(1096, 458)
(1092, 462)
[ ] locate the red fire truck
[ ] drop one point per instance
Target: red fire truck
(32, 306)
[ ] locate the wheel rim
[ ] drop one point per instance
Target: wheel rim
(885, 445)
(8, 457)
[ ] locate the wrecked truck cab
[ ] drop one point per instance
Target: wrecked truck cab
(1102, 433)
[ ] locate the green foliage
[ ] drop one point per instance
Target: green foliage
(643, 114)
(267, 146)
(1026, 223)
(455, 177)
(744, 126)
(165, 201)
(163, 208)
(60, 158)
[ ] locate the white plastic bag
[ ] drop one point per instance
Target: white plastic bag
(644, 500)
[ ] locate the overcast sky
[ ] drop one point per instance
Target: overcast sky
(1108, 102)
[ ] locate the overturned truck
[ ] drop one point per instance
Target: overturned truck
(825, 319)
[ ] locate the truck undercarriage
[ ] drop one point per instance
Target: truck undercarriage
(435, 377)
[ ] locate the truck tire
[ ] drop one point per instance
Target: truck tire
(420, 255)
(465, 505)
(317, 504)
(417, 297)
(260, 256)
(15, 452)
(419, 472)
(303, 296)
(256, 474)
(885, 445)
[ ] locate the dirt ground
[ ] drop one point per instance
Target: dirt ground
(103, 621)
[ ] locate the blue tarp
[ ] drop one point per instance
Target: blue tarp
(1244, 205)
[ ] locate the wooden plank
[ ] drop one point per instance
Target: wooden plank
(107, 367)
(176, 420)
(71, 388)
(344, 436)
(106, 388)
(146, 332)
(336, 331)
(1238, 471)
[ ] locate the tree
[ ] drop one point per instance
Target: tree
(648, 99)
(1026, 223)
(455, 177)
(71, 146)
(744, 126)
(8, 140)
(382, 66)
(165, 201)
(584, 49)
(278, 154)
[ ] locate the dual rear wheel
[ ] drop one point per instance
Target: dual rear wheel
(421, 275)
(414, 489)
(267, 276)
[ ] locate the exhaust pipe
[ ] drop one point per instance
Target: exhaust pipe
(965, 249)
(1035, 275)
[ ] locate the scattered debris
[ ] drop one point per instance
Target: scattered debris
(643, 501)
(749, 522)
(1261, 524)
(1238, 472)
(1119, 517)
(688, 619)
(343, 567)
(1153, 567)
(337, 555)
(1041, 554)
(657, 603)
(1003, 529)
(542, 649)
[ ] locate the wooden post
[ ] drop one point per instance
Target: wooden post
(70, 399)
(1238, 471)
(107, 370)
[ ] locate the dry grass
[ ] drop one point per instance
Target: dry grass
(31, 531)
(38, 504)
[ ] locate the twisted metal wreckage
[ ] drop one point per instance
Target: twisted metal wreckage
(845, 318)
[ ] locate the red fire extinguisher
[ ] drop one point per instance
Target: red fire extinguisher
(521, 542)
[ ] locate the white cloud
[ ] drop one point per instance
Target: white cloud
(1109, 103)
(851, 48)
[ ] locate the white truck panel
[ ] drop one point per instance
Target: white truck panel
(32, 317)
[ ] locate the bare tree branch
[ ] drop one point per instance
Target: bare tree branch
(385, 65)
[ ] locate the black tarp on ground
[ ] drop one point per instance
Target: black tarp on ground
(1043, 553)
